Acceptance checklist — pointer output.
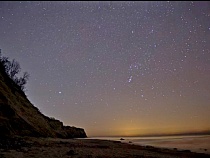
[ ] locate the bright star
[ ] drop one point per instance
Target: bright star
(130, 79)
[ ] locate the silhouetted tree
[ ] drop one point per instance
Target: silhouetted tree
(22, 80)
(12, 68)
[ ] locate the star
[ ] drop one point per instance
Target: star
(130, 79)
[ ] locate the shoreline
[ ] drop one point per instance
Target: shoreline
(194, 143)
(22, 147)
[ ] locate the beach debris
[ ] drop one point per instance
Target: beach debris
(71, 152)
(122, 139)
(130, 142)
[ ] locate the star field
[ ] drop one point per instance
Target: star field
(114, 68)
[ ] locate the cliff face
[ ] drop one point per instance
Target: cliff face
(19, 117)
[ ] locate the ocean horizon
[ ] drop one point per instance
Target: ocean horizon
(194, 143)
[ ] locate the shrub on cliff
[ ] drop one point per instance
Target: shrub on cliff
(12, 69)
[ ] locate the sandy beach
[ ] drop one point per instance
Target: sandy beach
(87, 148)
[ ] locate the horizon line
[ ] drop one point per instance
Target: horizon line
(154, 135)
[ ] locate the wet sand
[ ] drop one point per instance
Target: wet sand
(84, 148)
(200, 144)
(195, 144)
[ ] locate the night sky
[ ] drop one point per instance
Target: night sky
(114, 68)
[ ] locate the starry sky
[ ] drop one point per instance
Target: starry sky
(114, 68)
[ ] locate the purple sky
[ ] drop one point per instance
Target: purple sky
(114, 68)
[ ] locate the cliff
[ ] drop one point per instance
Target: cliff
(18, 117)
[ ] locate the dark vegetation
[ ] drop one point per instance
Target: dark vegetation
(12, 69)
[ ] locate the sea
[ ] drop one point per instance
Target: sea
(194, 143)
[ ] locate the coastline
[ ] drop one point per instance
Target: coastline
(194, 143)
(22, 147)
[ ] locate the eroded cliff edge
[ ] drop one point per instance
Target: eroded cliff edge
(18, 117)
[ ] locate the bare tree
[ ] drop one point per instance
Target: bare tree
(12, 68)
(22, 80)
